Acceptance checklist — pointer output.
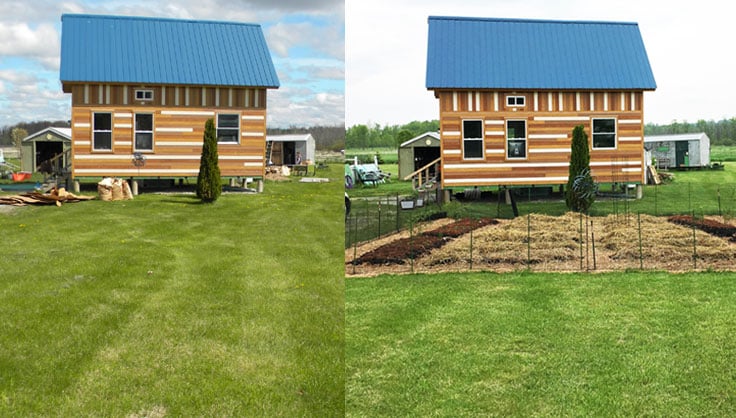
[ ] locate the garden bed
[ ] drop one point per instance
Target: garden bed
(710, 226)
(548, 243)
(401, 250)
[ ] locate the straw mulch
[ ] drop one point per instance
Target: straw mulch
(549, 243)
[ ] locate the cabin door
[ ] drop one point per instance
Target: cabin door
(681, 148)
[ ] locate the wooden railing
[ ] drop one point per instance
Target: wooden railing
(59, 165)
(421, 176)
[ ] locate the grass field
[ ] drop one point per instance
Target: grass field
(165, 306)
(484, 344)
(389, 155)
(722, 153)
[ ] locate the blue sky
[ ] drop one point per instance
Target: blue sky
(687, 43)
(306, 39)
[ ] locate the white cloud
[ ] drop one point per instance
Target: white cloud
(26, 97)
(303, 107)
(328, 40)
(40, 43)
(29, 52)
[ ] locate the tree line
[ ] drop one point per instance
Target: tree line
(325, 137)
(6, 132)
(377, 136)
(722, 132)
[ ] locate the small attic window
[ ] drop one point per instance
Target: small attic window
(515, 101)
(145, 95)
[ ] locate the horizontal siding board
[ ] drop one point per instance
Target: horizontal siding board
(177, 145)
(548, 142)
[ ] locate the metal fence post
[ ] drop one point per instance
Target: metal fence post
(695, 249)
(581, 241)
(592, 239)
(471, 249)
(641, 254)
(528, 241)
(398, 211)
(379, 216)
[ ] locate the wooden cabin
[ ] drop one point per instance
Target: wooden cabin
(511, 91)
(143, 88)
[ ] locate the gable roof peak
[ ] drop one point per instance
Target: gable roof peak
(153, 50)
(527, 54)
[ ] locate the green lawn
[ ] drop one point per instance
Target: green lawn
(722, 153)
(162, 305)
(388, 155)
(484, 344)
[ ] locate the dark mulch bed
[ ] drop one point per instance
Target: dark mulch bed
(710, 226)
(397, 252)
(461, 227)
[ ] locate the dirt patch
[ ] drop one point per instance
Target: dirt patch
(407, 248)
(563, 243)
(710, 226)
(7, 208)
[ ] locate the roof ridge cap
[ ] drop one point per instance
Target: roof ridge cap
(526, 20)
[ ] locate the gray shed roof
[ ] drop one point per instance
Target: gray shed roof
(434, 135)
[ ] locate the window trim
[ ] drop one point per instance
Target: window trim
(481, 139)
(136, 131)
(592, 133)
(95, 130)
(145, 92)
(513, 101)
(217, 128)
(525, 138)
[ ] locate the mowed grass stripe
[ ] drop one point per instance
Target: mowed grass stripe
(543, 344)
(241, 314)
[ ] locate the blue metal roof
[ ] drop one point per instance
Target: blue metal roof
(124, 49)
(536, 54)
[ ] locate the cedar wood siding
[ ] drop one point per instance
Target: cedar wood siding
(550, 118)
(179, 116)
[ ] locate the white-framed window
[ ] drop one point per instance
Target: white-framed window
(144, 95)
(143, 132)
(102, 131)
(515, 101)
(473, 139)
(604, 133)
(516, 139)
(228, 128)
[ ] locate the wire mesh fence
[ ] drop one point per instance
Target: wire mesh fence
(688, 229)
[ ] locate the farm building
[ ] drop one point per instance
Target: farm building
(282, 149)
(143, 88)
(511, 91)
(50, 145)
(683, 150)
(418, 152)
